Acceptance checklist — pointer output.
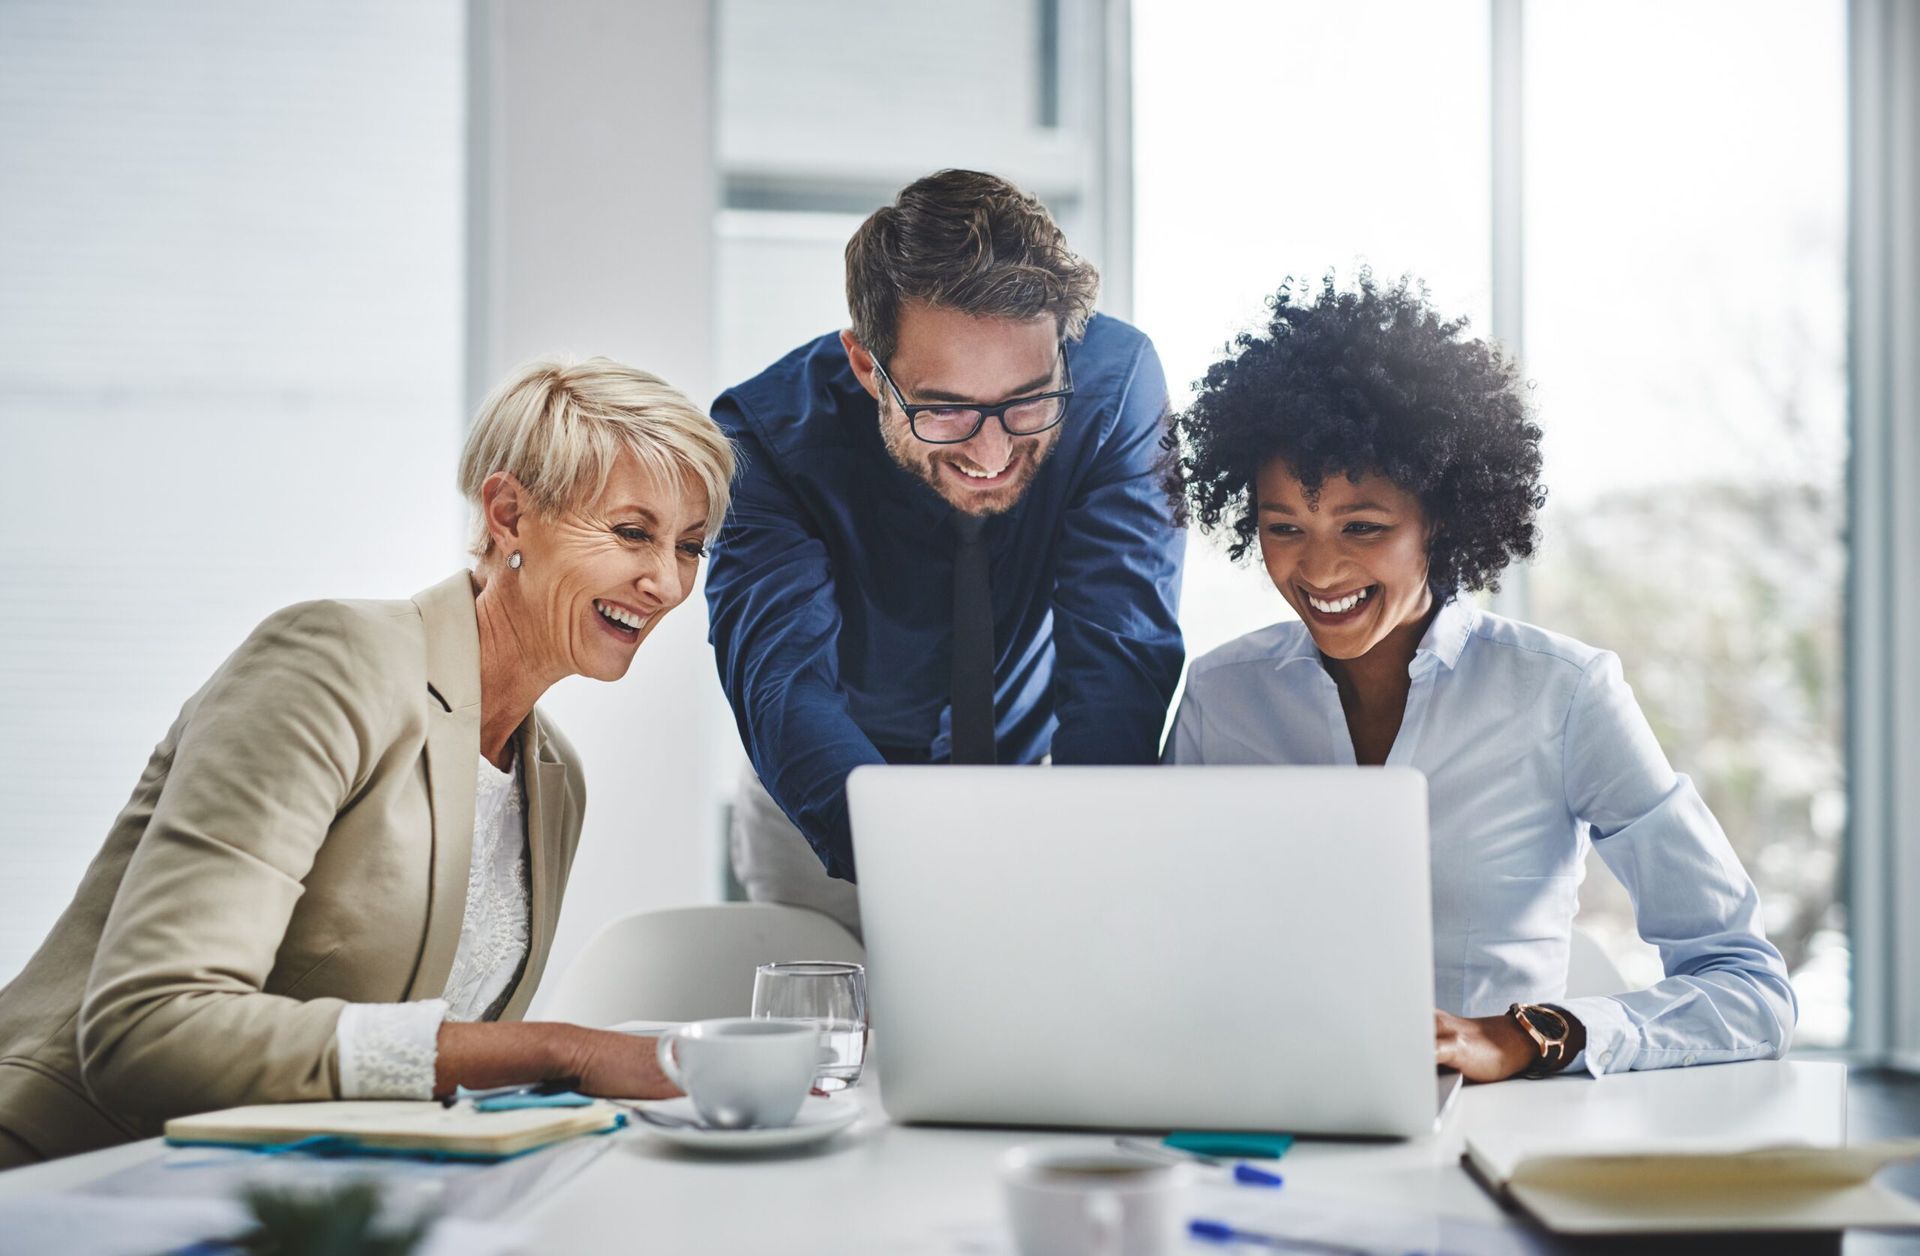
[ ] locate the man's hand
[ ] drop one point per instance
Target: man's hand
(1482, 1048)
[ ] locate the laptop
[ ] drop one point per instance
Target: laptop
(1221, 948)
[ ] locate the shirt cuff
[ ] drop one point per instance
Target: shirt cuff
(388, 1050)
(1612, 1039)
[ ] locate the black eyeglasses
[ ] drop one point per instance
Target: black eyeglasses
(943, 423)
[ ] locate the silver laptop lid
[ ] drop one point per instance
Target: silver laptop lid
(1149, 948)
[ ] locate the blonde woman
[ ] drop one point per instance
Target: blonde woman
(339, 875)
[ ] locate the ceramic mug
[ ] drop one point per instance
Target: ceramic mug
(1086, 1198)
(743, 1073)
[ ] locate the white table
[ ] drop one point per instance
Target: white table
(901, 1190)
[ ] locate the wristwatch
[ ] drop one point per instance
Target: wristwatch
(1550, 1031)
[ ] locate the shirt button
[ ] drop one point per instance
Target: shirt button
(1688, 1060)
(1606, 1058)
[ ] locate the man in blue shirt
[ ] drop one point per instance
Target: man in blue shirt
(949, 541)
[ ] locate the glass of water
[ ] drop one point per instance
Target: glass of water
(830, 994)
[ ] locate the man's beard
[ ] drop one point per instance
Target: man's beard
(923, 461)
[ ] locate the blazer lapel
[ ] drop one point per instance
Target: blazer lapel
(452, 764)
(548, 797)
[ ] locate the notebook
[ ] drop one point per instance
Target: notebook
(1692, 1187)
(394, 1127)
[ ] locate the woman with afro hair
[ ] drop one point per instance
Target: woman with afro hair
(1383, 465)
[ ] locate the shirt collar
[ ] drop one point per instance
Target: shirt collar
(1447, 635)
(1444, 641)
(1299, 649)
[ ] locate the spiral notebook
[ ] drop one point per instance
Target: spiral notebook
(393, 1127)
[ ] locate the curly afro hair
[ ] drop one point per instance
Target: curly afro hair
(1369, 381)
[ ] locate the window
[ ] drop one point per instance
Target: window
(1291, 140)
(1686, 326)
(826, 110)
(1683, 281)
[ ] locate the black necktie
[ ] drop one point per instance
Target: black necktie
(972, 644)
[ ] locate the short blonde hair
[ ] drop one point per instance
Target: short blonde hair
(558, 425)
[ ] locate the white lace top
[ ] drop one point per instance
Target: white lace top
(387, 1050)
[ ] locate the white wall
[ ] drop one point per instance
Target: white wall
(594, 201)
(230, 363)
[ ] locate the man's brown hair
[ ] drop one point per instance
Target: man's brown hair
(965, 241)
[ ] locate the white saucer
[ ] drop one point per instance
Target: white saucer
(818, 1120)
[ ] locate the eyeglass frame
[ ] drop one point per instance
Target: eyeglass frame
(910, 409)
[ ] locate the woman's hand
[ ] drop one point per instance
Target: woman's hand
(1482, 1048)
(618, 1066)
(596, 1061)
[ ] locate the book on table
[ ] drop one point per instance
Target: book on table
(394, 1127)
(1693, 1186)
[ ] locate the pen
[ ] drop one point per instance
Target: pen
(553, 1086)
(1245, 1174)
(1221, 1232)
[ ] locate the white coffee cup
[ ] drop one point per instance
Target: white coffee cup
(1088, 1198)
(743, 1073)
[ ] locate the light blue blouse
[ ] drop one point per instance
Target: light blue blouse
(1533, 746)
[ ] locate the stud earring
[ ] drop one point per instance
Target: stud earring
(513, 560)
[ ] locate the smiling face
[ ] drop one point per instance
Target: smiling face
(944, 355)
(1352, 562)
(595, 581)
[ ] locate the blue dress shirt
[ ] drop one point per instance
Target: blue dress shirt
(831, 584)
(1533, 747)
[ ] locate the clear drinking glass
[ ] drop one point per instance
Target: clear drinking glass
(830, 994)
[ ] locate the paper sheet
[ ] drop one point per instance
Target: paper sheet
(191, 1193)
(74, 1224)
(1364, 1228)
(409, 1188)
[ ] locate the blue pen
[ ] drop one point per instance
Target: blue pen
(1245, 1174)
(1221, 1232)
(1253, 1175)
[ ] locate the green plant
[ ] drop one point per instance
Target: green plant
(338, 1222)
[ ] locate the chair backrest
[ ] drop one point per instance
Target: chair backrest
(689, 963)
(1590, 970)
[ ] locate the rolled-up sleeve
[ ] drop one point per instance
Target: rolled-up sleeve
(1116, 598)
(175, 1018)
(775, 630)
(1726, 995)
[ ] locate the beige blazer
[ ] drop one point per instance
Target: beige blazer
(299, 841)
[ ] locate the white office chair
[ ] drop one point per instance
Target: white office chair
(689, 963)
(1590, 970)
